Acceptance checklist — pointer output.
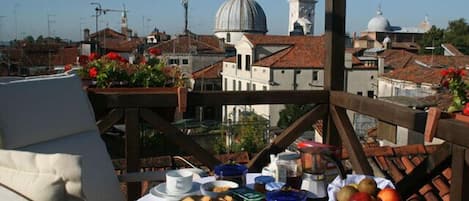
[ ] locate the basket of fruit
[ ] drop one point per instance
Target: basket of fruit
(362, 188)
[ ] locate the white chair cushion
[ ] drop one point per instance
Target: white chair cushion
(99, 180)
(42, 109)
(42, 176)
(9, 194)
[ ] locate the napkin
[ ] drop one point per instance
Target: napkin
(338, 183)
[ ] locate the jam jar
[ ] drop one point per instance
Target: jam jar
(232, 172)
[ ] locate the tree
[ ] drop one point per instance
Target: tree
(29, 39)
(40, 39)
(291, 113)
(433, 38)
(457, 34)
(250, 133)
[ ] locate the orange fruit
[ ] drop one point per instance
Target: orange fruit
(389, 194)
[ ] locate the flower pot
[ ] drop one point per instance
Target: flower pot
(99, 99)
(461, 117)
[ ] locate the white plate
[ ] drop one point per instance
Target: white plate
(160, 191)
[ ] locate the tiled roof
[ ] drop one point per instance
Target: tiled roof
(118, 45)
(302, 51)
(396, 58)
(443, 61)
(209, 72)
(184, 44)
(230, 59)
(453, 50)
(109, 34)
(415, 74)
(396, 162)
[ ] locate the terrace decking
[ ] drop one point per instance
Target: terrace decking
(331, 106)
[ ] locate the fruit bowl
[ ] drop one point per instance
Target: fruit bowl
(338, 183)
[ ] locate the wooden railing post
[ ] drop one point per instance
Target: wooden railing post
(460, 178)
(352, 144)
(132, 150)
(335, 51)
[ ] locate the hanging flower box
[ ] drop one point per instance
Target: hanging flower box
(112, 74)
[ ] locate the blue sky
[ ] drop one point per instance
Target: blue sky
(67, 16)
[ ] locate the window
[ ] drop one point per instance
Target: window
(298, 71)
(173, 61)
(248, 86)
(264, 88)
(248, 62)
(239, 85)
(360, 93)
(226, 84)
(185, 61)
(234, 85)
(254, 87)
(283, 71)
(371, 94)
(228, 37)
(239, 61)
(315, 75)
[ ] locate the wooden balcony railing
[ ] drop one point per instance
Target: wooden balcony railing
(135, 107)
(331, 106)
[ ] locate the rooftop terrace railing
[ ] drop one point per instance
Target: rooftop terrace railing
(331, 106)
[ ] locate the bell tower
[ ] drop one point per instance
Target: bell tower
(302, 12)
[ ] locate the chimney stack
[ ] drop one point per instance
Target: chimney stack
(86, 34)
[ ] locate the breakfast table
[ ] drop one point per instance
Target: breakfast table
(249, 181)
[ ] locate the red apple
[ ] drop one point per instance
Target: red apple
(361, 196)
(389, 194)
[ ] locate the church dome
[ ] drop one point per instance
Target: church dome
(379, 23)
(240, 16)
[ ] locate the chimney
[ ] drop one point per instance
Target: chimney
(86, 34)
(380, 65)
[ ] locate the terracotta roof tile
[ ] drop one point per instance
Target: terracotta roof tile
(209, 72)
(410, 150)
(441, 185)
(383, 164)
(311, 49)
(396, 162)
(396, 58)
(188, 44)
(409, 166)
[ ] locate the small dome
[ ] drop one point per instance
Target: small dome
(379, 23)
(240, 16)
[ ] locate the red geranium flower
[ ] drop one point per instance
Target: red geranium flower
(93, 56)
(462, 72)
(444, 72)
(93, 72)
(113, 56)
(445, 83)
(123, 60)
(67, 67)
(154, 51)
(451, 70)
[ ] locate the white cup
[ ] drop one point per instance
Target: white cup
(178, 181)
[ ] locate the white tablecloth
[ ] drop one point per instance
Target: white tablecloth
(249, 180)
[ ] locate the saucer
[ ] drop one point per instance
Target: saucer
(160, 191)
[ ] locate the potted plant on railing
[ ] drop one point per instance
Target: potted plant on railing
(113, 73)
(453, 80)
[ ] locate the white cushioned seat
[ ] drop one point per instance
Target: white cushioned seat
(53, 115)
(42, 177)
